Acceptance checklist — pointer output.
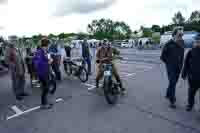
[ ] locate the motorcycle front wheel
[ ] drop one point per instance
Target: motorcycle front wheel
(110, 91)
(83, 74)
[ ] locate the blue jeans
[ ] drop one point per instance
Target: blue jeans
(173, 76)
(88, 61)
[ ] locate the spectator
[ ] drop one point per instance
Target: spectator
(17, 69)
(191, 71)
(173, 55)
(41, 63)
(56, 56)
(68, 50)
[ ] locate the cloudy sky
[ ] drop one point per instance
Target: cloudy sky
(27, 17)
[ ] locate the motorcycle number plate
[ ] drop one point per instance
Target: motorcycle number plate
(107, 73)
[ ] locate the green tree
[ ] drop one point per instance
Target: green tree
(155, 28)
(147, 32)
(61, 36)
(135, 32)
(106, 28)
(178, 19)
(51, 36)
(195, 16)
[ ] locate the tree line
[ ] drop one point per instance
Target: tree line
(119, 30)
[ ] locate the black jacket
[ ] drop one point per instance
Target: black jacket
(85, 50)
(191, 67)
(173, 54)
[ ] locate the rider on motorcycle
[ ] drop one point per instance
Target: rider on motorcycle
(105, 55)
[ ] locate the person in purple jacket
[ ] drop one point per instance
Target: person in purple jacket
(41, 63)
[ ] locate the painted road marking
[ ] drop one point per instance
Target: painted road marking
(29, 110)
(131, 74)
(91, 87)
(16, 110)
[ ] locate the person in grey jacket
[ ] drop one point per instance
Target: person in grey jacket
(173, 55)
(17, 70)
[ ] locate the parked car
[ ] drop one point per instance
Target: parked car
(126, 45)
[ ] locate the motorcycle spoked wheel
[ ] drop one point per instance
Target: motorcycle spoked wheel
(111, 92)
(83, 74)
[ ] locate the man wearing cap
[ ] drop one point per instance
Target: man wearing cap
(106, 51)
(191, 71)
(173, 55)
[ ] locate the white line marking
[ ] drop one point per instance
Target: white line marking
(124, 73)
(91, 87)
(131, 74)
(59, 100)
(29, 110)
(16, 110)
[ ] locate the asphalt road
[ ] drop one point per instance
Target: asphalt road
(80, 108)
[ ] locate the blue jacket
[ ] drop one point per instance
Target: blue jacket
(41, 64)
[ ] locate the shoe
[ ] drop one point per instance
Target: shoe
(189, 108)
(172, 106)
(46, 106)
(19, 98)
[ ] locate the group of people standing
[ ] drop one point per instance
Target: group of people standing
(173, 58)
(172, 55)
(38, 65)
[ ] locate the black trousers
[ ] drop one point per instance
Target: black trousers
(194, 85)
(56, 69)
(173, 76)
(45, 91)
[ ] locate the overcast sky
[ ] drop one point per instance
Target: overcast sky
(27, 17)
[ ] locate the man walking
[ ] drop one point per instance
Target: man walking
(191, 71)
(86, 54)
(173, 55)
(17, 70)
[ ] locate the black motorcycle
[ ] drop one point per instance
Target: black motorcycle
(76, 67)
(111, 88)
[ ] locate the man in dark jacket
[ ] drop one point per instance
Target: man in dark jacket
(191, 71)
(173, 55)
(86, 54)
(68, 50)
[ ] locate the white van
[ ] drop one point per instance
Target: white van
(126, 45)
(165, 38)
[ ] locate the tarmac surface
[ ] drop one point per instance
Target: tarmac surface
(81, 108)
